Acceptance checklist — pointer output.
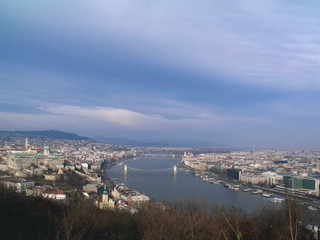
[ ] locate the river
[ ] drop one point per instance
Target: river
(162, 185)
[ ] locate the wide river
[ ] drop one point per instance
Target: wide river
(162, 185)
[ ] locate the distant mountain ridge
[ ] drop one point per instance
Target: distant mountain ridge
(46, 133)
(59, 135)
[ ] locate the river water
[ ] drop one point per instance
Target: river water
(162, 185)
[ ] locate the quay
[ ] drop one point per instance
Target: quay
(258, 189)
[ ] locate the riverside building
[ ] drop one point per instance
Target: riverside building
(302, 184)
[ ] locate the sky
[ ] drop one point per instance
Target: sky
(238, 73)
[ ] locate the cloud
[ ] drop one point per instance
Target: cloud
(185, 68)
(120, 117)
(94, 118)
(267, 43)
(231, 129)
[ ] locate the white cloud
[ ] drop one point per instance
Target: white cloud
(95, 118)
(222, 128)
(120, 117)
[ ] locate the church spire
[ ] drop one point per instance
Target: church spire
(105, 197)
(105, 191)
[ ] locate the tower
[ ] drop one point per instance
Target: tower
(26, 144)
(175, 170)
(104, 202)
(125, 170)
(105, 197)
(46, 151)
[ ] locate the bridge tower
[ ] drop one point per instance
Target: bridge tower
(175, 170)
(125, 170)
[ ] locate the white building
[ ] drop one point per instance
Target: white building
(253, 178)
(55, 194)
(272, 178)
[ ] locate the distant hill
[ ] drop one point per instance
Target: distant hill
(120, 141)
(155, 143)
(46, 133)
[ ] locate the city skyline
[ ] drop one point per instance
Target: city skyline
(236, 73)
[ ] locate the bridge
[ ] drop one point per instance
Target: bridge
(131, 169)
(161, 155)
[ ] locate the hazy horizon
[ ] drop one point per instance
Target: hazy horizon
(242, 74)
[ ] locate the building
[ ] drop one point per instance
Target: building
(36, 191)
(22, 160)
(253, 177)
(54, 194)
(25, 159)
(195, 163)
(49, 158)
(52, 177)
(131, 197)
(304, 184)
(221, 167)
(272, 178)
(18, 184)
(135, 199)
(234, 173)
(90, 188)
(104, 201)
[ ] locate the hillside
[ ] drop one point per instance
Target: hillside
(46, 133)
(36, 218)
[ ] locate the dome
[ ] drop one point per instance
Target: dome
(46, 148)
(105, 189)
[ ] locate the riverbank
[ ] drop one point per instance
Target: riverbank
(265, 191)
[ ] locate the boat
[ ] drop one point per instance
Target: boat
(211, 180)
(235, 187)
(217, 182)
(226, 185)
(277, 199)
(267, 195)
(247, 190)
(257, 192)
(204, 178)
(312, 208)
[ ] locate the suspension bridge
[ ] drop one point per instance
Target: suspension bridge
(131, 169)
(161, 155)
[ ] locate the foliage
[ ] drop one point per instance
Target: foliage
(35, 218)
